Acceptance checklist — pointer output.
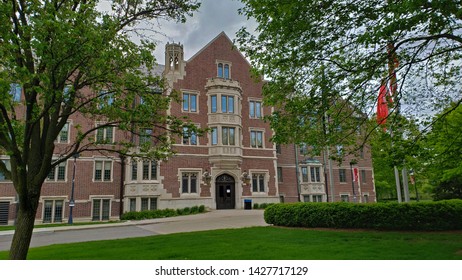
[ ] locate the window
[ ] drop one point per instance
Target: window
(304, 173)
(8, 167)
(53, 211)
(344, 197)
(63, 136)
(189, 137)
(258, 182)
(315, 174)
(58, 173)
(134, 170)
(214, 136)
(363, 176)
(306, 198)
(223, 70)
(145, 136)
(317, 198)
(189, 102)
(227, 104)
(148, 203)
(278, 149)
(255, 109)
(228, 136)
(105, 135)
(256, 139)
(361, 152)
(132, 204)
(15, 92)
(101, 209)
(220, 70)
(226, 71)
(149, 170)
(105, 99)
(213, 103)
(342, 175)
(103, 170)
(279, 174)
(189, 182)
(365, 198)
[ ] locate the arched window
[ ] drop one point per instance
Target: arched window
(220, 70)
(226, 71)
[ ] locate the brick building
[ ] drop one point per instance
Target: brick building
(233, 166)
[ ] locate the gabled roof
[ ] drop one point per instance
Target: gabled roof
(222, 34)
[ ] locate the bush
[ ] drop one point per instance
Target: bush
(162, 213)
(441, 215)
(255, 206)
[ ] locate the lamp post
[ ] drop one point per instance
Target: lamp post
(71, 202)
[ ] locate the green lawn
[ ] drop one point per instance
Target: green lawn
(265, 243)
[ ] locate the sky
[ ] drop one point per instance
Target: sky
(213, 17)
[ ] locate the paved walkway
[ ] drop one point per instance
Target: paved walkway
(216, 219)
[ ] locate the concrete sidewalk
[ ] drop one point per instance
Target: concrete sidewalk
(216, 219)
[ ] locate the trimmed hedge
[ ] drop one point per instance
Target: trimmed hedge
(162, 213)
(261, 206)
(439, 215)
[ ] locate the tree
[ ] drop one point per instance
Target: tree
(318, 52)
(443, 145)
(400, 150)
(71, 59)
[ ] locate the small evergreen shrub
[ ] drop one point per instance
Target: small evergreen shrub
(201, 209)
(440, 215)
(256, 206)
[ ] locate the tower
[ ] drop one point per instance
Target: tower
(174, 62)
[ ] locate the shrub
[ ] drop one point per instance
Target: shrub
(256, 206)
(162, 213)
(194, 209)
(441, 215)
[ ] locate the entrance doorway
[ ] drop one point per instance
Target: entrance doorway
(225, 192)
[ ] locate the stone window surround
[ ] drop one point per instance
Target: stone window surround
(218, 61)
(199, 172)
(194, 92)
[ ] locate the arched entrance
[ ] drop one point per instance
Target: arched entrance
(225, 192)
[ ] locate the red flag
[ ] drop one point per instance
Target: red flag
(382, 104)
(355, 174)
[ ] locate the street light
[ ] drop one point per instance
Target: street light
(71, 202)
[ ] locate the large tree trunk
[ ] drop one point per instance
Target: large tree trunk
(23, 233)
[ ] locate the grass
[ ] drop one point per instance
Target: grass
(264, 243)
